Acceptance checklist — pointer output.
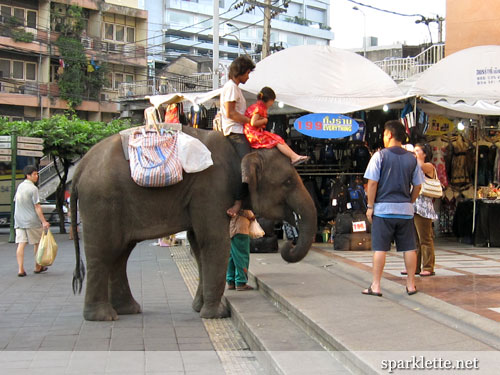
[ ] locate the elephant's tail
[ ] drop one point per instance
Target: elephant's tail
(79, 273)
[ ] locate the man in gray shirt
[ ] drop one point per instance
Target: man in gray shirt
(28, 218)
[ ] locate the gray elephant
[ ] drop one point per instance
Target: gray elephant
(117, 214)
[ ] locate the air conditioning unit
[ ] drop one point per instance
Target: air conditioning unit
(87, 43)
(104, 97)
(125, 114)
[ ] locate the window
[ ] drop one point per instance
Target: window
(129, 78)
(19, 15)
(30, 72)
(118, 80)
(109, 81)
(23, 16)
(120, 33)
(4, 68)
(31, 19)
(17, 70)
(6, 12)
(109, 31)
(130, 35)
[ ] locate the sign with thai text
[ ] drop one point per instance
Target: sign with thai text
(326, 125)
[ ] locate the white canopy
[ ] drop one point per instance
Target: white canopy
(466, 81)
(324, 79)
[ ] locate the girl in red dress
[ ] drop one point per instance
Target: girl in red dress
(260, 138)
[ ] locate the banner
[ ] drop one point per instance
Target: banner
(439, 125)
(326, 125)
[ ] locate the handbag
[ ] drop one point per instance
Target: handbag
(432, 187)
(154, 161)
(47, 249)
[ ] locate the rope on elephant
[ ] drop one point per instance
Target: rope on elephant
(234, 353)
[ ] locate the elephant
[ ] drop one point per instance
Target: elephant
(116, 214)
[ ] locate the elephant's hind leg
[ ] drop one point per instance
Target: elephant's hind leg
(97, 306)
(198, 298)
(120, 295)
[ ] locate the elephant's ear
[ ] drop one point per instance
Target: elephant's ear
(251, 169)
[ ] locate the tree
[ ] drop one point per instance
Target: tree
(65, 139)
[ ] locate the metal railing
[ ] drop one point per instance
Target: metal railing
(48, 172)
(400, 69)
(173, 83)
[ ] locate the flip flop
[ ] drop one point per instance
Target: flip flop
(231, 286)
(21, 274)
(244, 287)
(43, 269)
(300, 161)
(427, 274)
(370, 292)
(404, 273)
(412, 292)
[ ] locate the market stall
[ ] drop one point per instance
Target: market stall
(467, 84)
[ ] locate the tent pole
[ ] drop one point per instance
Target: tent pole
(481, 119)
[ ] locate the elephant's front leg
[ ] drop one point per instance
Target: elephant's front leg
(120, 295)
(214, 258)
(97, 306)
(198, 298)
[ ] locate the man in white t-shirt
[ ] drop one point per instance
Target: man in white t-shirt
(28, 218)
(233, 106)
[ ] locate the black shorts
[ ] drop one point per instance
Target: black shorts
(385, 230)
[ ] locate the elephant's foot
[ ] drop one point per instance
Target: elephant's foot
(197, 303)
(214, 312)
(127, 307)
(99, 311)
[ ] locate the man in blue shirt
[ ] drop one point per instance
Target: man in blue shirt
(391, 174)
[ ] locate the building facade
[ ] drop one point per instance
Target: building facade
(115, 33)
(179, 27)
(471, 23)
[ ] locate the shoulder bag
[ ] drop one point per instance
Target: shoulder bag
(432, 187)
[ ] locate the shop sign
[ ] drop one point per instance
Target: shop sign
(326, 125)
(439, 125)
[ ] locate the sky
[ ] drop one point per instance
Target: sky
(348, 24)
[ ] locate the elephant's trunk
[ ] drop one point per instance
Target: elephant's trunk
(303, 205)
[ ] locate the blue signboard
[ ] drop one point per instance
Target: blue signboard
(326, 125)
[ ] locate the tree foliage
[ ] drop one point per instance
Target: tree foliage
(66, 138)
(76, 81)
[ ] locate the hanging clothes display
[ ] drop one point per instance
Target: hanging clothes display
(439, 150)
(459, 166)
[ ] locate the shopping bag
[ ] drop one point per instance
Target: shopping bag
(194, 155)
(154, 161)
(255, 230)
(47, 249)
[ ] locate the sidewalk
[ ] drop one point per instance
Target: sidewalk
(466, 276)
(42, 329)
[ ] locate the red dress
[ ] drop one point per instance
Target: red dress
(258, 137)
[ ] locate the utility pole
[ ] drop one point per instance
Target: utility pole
(266, 35)
(215, 55)
(270, 11)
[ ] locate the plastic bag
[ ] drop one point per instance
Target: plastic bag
(255, 230)
(194, 155)
(47, 249)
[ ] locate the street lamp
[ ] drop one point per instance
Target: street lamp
(240, 45)
(364, 29)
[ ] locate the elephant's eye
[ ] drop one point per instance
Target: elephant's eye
(288, 182)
